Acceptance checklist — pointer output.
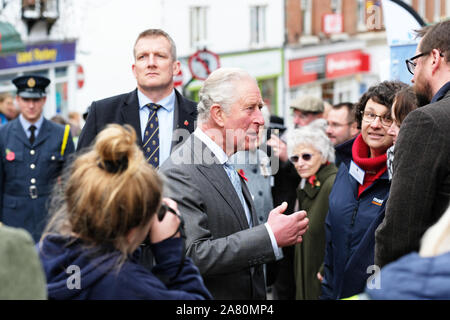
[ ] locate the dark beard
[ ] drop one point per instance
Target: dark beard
(423, 96)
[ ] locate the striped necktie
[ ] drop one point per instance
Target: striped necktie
(236, 182)
(151, 136)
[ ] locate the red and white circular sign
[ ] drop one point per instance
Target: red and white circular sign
(80, 76)
(202, 63)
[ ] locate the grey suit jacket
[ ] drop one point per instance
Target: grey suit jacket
(229, 254)
(420, 189)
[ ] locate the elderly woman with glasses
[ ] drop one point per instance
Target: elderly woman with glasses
(358, 197)
(312, 154)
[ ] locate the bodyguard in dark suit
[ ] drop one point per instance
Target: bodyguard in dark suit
(420, 190)
(154, 67)
(223, 235)
(33, 151)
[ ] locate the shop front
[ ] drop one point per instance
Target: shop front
(54, 60)
(335, 73)
(265, 65)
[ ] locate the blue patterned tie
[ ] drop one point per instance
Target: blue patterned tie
(236, 181)
(151, 136)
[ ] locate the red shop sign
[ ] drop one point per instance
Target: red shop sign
(346, 63)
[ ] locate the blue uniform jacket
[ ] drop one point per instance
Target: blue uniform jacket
(28, 172)
(350, 233)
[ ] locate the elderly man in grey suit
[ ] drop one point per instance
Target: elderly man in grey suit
(420, 189)
(222, 233)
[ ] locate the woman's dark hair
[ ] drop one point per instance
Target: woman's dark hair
(382, 93)
(405, 102)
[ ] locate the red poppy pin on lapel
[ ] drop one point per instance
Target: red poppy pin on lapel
(242, 174)
(186, 123)
(10, 155)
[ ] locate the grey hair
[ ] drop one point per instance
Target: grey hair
(219, 88)
(314, 136)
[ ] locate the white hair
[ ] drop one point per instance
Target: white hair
(312, 135)
(220, 88)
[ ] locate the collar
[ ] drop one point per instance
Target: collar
(214, 147)
(26, 124)
(441, 93)
(167, 103)
(360, 152)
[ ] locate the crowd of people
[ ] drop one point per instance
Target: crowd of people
(164, 198)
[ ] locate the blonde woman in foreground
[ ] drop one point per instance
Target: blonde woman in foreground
(106, 206)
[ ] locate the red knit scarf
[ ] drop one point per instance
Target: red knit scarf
(373, 167)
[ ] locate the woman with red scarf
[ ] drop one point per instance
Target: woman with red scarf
(358, 197)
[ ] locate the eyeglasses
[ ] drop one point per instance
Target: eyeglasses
(411, 65)
(369, 117)
(304, 156)
(163, 210)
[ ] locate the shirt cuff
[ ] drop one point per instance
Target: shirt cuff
(276, 250)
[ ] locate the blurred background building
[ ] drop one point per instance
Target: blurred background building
(333, 49)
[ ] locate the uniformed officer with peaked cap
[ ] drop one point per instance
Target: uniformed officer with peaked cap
(33, 151)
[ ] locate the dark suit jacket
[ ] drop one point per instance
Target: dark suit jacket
(124, 109)
(230, 256)
(420, 189)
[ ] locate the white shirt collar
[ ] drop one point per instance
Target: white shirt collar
(214, 147)
(167, 103)
(26, 124)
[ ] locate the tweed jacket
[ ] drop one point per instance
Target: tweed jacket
(420, 189)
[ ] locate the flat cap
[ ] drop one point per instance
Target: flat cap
(308, 104)
(31, 86)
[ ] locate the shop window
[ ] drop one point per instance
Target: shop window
(269, 93)
(199, 26)
(437, 10)
(40, 10)
(362, 15)
(336, 6)
(421, 8)
(258, 25)
(306, 9)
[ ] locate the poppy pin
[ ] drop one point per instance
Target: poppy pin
(186, 123)
(10, 155)
(242, 174)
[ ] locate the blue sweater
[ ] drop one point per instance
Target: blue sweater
(414, 277)
(64, 259)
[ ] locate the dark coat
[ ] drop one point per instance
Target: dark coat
(100, 277)
(310, 252)
(34, 166)
(420, 190)
(229, 254)
(124, 109)
(350, 233)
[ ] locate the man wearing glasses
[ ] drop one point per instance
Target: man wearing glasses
(420, 189)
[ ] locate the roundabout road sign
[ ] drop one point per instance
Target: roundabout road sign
(202, 63)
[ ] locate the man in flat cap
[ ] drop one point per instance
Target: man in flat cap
(33, 151)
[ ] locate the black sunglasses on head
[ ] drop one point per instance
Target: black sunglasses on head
(304, 156)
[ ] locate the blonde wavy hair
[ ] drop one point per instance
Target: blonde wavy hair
(107, 192)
